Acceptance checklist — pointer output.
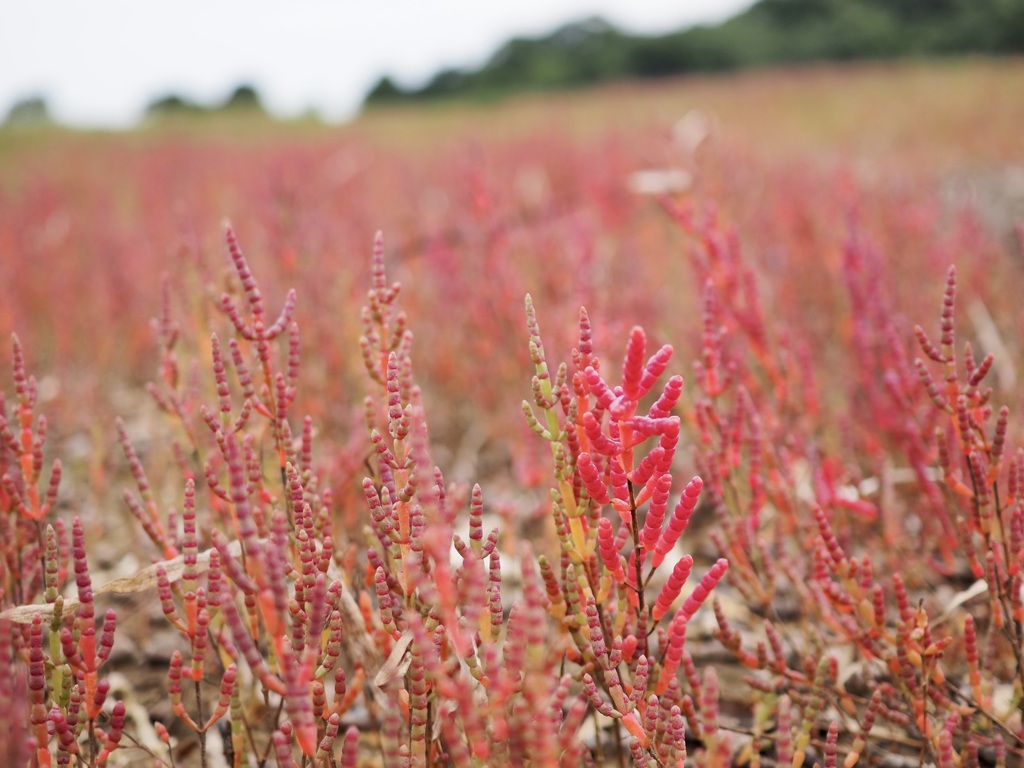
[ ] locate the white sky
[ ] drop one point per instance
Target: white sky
(98, 63)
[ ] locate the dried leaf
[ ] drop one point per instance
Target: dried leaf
(980, 587)
(397, 664)
(139, 582)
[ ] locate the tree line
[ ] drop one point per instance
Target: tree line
(770, 32)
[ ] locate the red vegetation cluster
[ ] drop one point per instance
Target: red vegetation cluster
(851, 514)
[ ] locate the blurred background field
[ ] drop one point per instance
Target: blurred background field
(481, 203)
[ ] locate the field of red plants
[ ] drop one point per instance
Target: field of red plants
(661, 425)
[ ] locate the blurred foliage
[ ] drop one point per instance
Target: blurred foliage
(244, 97)
(770, 32)
(29, 111)
(173, 104)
